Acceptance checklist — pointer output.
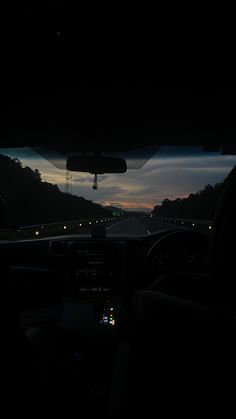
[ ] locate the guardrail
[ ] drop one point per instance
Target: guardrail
(58, 228)
(200, 225)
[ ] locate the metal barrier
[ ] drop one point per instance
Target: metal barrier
(58, 228)
(200, 225)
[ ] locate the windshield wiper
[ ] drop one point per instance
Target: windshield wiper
(7, 230)
(9, 227)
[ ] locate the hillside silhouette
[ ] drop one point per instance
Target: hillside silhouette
(199, 206)
(28, 200)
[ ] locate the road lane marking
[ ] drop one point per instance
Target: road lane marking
(115, 224)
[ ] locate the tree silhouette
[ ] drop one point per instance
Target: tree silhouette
(199, 206)
(28, 200)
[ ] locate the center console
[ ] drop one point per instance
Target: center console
(93, 287)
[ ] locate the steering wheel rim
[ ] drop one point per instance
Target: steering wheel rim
(177, 268)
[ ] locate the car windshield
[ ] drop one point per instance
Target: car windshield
(163, 187)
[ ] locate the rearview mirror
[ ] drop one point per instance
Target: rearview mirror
(96, 164)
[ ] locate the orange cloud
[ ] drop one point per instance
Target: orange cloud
(134, 205)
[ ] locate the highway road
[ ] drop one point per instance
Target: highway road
(139, 225)
(136, 226)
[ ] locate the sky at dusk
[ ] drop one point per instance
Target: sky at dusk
(172, 172)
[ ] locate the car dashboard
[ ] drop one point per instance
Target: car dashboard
(89, 282)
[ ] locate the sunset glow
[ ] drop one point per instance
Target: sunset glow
(171, 173)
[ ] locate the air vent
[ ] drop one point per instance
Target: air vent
(58, 247)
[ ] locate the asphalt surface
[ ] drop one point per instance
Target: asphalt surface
(136, 226)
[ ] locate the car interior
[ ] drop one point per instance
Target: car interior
(113, 325)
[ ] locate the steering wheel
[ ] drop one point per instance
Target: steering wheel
(179, 253)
